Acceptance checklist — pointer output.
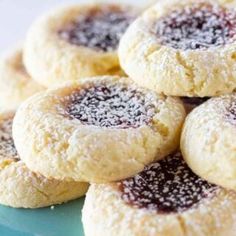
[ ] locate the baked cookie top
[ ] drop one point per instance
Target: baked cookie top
(99, 28)
(167, 186)
(183, 48)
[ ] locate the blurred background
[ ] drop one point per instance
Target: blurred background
(17, 15)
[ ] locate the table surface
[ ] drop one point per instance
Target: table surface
(17, 15)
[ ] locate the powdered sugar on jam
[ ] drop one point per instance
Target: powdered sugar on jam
(230, 111)
(167, 186)
(111, 106)
(7, 147)
(198, 26)
(99, 30)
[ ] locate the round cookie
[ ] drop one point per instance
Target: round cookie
(97, 130)
(15, 83)
(183, 48)
(77, 41)
(167, 198)
(207, 141)
(20, 187)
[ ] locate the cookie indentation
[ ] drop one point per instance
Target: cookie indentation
(167, 186)
(111, 106)
(100, 29)
(199, 26)
(7, 147)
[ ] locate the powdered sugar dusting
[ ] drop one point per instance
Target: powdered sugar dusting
(113, 106)
(100, 29)
(230, 110)
(7, 147)
(198, 26)
(167, 186)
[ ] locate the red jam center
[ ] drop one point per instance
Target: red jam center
(199, 26)
(111, 106)
(167, 186)
(100, 29)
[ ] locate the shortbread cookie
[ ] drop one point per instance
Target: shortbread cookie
(77, 41)
(183, 48)
(15, 83)
(208, 142)
(167, 198)
(20, 187)
(192, 102)
(97, 130)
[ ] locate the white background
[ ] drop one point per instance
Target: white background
(17, 15)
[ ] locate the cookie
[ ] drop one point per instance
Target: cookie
(207, 141)
(96, 130)
(167, 198)
(77, 41)
(20, 187)
(15, 83)
(183, 48)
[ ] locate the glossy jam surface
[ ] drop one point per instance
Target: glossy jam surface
(167, 186)
(7, 147)
(199, 26)
(101, 29)
(111, 106)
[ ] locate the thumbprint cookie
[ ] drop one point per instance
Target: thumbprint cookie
(183, 48)
(77, 41)
(20, 187)
(165, 199)
(96, 130)
(207, 141)
(15, 83)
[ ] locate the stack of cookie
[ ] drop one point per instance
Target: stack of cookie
(152, 172)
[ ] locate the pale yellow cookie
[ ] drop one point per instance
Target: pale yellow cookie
(77, 41)
(208, 141)
(20, 187)
(166, 199)
(183, 48)
(15, 83)
(97, 130)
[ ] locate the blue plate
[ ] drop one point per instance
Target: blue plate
(63, 220)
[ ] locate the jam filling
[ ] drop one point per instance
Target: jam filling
(100, 29)
(230, 114)
(111, 106)
(199, 26)
(167, 186)
(7, 146)
(195, 101)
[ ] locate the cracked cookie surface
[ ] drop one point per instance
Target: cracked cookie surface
(109, 209)
(169, 49)
(99, 129)
(207, 140)
(22, 188)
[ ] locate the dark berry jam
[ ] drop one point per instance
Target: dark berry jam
(7, 147)
(199, 26)
(191, 102)
(167, 186)
(101, 29)
(230, 113)
(111, 106)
